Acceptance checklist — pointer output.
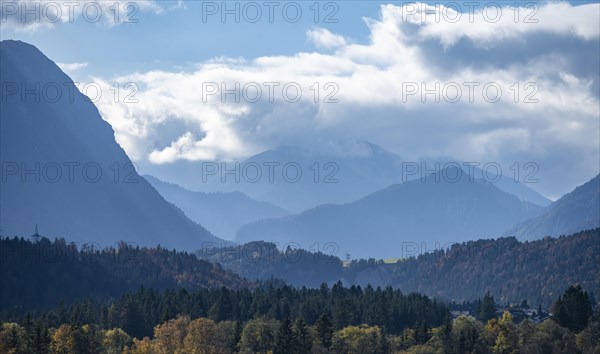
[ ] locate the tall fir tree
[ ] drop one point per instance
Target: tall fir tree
(573, 309)
(41, 340)
(284, 338)
(487, 309)
(302, 337)
(324, 331)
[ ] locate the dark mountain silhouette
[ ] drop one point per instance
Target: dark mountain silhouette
(575, 211)
(222, 213)
(62, 168)
(443, 208)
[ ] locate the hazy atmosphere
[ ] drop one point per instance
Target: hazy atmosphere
(299, 177)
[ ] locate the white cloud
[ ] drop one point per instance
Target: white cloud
(184, 147)
(35, 15)
(322, 38)
(370, 80)
(70, 68)
(492, 24)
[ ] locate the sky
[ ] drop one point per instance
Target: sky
(483, 83)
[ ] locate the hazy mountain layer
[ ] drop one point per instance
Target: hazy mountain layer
(222, 213)
(443, 208)
(300, 178)
(575, 211)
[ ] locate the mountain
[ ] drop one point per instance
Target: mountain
(62, 168)
(462, 272)
(293, 177)
(222, 213)
(518, 189)
(299, 178)
(264, 260)
(443, 208)
(501, 266)
(504, 180)
(575, 211)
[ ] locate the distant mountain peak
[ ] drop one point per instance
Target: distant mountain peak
(344, 148)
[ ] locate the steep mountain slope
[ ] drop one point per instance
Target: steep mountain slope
(63, 170)
(575, 211)
(222, 213)
(444, 207)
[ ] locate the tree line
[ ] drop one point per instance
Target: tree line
(139, 312)
(573, 329)
(37, 275)
(500, 265)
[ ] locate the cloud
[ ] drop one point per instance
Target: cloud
(492, 23)
(398, 90)
(69, 68)
(185, 147)
(322, 38)
(35, 15)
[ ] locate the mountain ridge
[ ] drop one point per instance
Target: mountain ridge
(414, 211)
(222, 213)
(63, 169)
(575, 211)
(337, 172)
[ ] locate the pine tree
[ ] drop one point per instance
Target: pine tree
(284, 338)
(447, 330)
(487, 309)
(29, 333)
(302, 337)
(573, 309)
(324, 331)
(41, 340)
(62, 312)
(342, 312)
(223, 307)
(237, 336)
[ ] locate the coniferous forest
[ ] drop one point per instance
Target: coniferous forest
(463, 271)
(289, 320)
(181, 304)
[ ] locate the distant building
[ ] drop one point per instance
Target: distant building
(519, 314)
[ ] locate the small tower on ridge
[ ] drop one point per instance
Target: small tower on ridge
(36, 237)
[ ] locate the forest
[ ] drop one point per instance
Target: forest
(38, 275)
(288, 320)
(61, 298)
(460, 272)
